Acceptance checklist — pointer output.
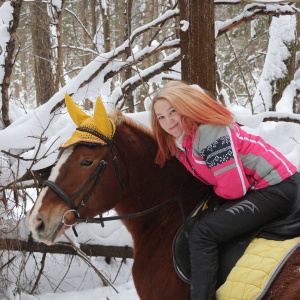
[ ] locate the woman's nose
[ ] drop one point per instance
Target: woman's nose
(169, 120)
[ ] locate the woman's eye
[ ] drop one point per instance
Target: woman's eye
(86, 163)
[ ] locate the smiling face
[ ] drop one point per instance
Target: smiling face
(168, 118)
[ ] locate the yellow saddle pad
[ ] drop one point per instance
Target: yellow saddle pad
(256, 269)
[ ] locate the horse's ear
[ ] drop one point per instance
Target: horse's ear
(101, 119)
(77, 115)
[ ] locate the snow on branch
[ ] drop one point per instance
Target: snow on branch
(253, 11)
(106, 65)
(144, 76)
(253, 121)
(142, 55)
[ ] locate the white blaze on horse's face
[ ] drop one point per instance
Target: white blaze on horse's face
(38, 224)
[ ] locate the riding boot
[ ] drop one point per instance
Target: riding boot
(204, 264)
(203, 288)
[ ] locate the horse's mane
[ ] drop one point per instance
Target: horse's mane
(119, 118)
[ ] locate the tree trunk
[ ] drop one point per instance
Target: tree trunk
(9, 61)
(93, 17)
(106, 27)
(128, 52)
(23, 65)
(40, 22)
(87, 42)
(198, 43)
(59, 65)
(150, 13)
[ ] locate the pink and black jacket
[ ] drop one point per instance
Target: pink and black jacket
(232, 160)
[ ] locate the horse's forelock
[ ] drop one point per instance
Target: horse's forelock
(119, 118)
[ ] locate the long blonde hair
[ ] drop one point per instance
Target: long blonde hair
(195, 107)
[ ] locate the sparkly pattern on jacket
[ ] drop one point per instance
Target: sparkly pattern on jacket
(217, 152)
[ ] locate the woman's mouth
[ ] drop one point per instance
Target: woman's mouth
(173, 127)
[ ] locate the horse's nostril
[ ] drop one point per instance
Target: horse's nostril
(40, 225)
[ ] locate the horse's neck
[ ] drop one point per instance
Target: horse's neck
(145, 184)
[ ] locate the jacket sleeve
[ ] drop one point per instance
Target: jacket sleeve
(219, 149)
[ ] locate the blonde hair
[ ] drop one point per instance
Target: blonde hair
(195, 107)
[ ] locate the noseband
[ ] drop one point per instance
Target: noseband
(92, 182)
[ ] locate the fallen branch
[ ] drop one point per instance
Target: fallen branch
(65, 248)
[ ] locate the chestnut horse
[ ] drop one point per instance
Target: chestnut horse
(131, 183)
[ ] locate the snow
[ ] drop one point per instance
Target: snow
(184, 25)
(125, 292)
(25, 134)
(284, 136)
(282, 32)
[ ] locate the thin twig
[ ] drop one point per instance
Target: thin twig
(87, 260)
(6, 264)
(65, 274)
(40, 274)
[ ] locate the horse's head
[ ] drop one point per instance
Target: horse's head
(85, 166)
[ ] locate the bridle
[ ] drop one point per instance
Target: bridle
(88, 187)
(70, 200)
(92, 182)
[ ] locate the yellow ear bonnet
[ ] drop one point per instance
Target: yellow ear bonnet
(99, 123)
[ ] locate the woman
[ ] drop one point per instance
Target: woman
(259, 182)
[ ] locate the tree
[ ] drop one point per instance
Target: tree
(43, 74)
(8, 56)
(59, 49)
(198, 43)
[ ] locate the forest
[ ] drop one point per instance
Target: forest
(245, 53)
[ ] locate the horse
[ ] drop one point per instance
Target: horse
(117, 171)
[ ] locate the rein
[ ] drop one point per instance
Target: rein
(101, 219)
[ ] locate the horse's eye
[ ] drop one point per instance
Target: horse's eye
(86, 163)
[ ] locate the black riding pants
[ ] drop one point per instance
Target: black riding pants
(233, 218)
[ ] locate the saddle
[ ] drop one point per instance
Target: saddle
(285, 227)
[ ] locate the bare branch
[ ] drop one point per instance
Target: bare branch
(82, 25)
(40, 274)
(145, 75)
(7, 263)
(281, 119)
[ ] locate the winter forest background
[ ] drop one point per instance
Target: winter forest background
(246, 53)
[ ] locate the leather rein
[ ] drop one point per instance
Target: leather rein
(92, 182)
